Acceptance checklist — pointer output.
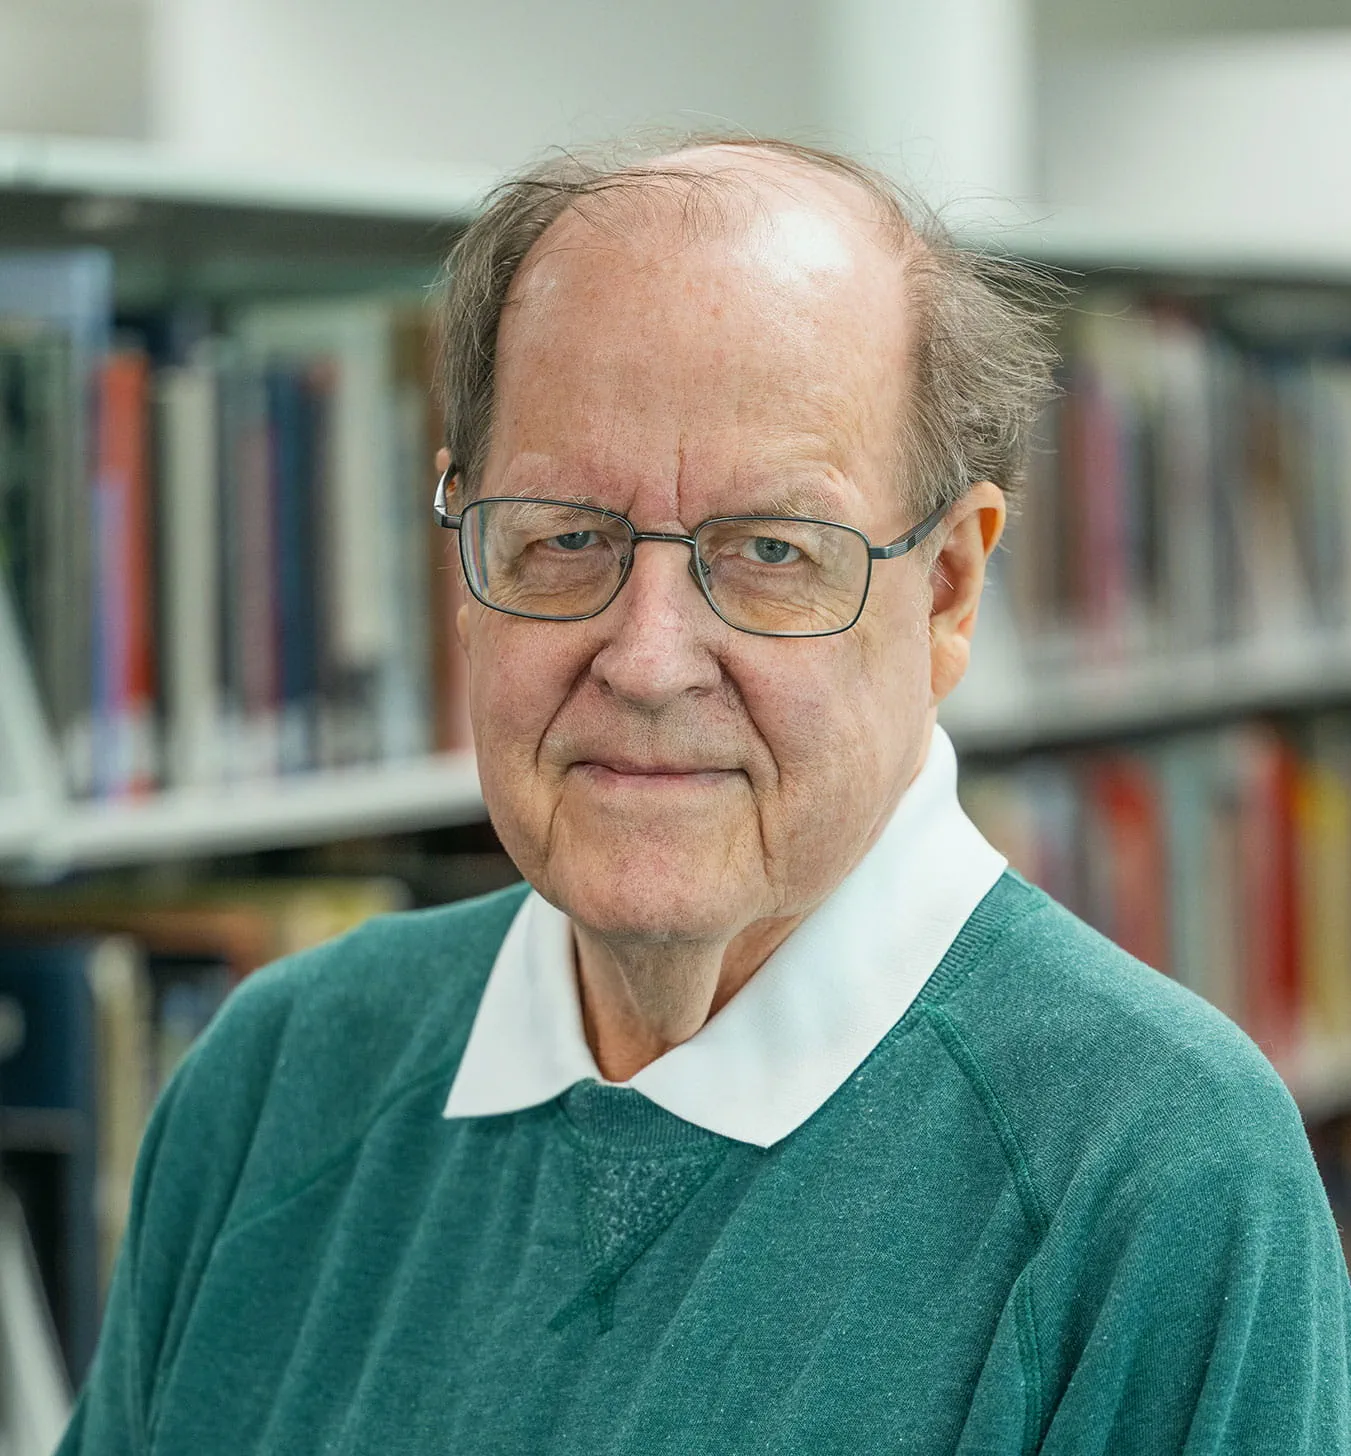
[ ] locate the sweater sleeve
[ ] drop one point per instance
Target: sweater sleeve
(1205, 1310)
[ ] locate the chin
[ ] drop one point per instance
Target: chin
(628, 901)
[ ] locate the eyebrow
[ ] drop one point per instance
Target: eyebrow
(801, 499)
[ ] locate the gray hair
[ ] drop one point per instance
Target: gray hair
(982, 357)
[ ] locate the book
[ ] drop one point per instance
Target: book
(63, 300)
(187, 401)
(124, 650)
(54, 1073)
(1189, 487)
(220, 546)
(35, 1399)
(1220, 857)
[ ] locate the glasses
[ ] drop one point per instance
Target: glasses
(775, 576)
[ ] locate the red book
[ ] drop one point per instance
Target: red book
(1269, 901)
(125, 676)
(1126, 803)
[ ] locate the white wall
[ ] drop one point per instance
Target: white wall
(1029, 99)
(1246, 140)
(469, 85)
(74, 67)
(940, 92)
(1127, 22)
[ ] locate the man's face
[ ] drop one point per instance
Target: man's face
(652, 771)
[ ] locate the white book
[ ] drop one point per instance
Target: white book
(123, 996)
(188, 417)
(29, 767)
(35, 1402)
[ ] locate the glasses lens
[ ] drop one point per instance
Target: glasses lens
(542, 559)
(784, 575)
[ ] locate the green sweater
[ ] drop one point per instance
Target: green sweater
(1063, 1207)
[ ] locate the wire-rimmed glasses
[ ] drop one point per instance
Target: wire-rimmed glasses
(774, 576)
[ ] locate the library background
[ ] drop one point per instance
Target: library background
(231, 708)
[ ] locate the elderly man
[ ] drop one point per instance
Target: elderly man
(776, 1114)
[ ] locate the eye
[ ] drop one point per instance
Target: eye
(769, 551)
(574, 540)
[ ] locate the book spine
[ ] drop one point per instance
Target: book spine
(191, 557)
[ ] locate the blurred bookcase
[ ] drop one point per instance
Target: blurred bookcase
(1158, 724)
(1156, 727)
(266, 330)
(1181, 566)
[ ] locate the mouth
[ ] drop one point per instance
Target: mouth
(623, 774)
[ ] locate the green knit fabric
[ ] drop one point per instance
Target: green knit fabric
(1064, 1207)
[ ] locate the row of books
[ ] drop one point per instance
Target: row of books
(1192, 485)
(218, 531)
(1221, 857)
(107, 989)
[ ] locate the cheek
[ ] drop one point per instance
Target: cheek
(843, 727)
(517, 683)
(836, 707)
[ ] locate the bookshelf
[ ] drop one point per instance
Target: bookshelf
(130, 171)
(282, 813)
(229, 239)
(181, 226)
(218, 236)
(1009, 708)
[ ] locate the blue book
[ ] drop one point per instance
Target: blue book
(291, 433)
(48, 1127)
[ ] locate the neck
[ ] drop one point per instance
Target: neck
(641, 998)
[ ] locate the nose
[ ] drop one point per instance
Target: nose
(661, 635)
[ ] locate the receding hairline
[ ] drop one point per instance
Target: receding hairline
(983, 355)
(699, 187)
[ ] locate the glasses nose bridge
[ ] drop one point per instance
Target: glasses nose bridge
(675, 539)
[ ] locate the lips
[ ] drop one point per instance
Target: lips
(617, 774)
(657, 770)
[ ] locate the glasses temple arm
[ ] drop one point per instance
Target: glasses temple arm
(912, 537)
(451, 523)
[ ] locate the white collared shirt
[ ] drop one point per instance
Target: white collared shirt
(802, 1024)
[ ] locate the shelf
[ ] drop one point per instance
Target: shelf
(20, 824)
(1008, 707)
(1082, 240)
(102, 168)
(304, 809)
(128, 169)
(1021, 713)
(43, 1130)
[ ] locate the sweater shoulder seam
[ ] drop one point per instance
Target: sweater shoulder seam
(969, 1065)
(268, 1203)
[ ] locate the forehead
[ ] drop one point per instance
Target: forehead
(781, 333)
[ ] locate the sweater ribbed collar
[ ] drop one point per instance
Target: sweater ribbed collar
(798, 1029)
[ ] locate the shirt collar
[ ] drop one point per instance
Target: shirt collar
(802, 1024)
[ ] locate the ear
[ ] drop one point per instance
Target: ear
(442, 461)
(973, 528)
